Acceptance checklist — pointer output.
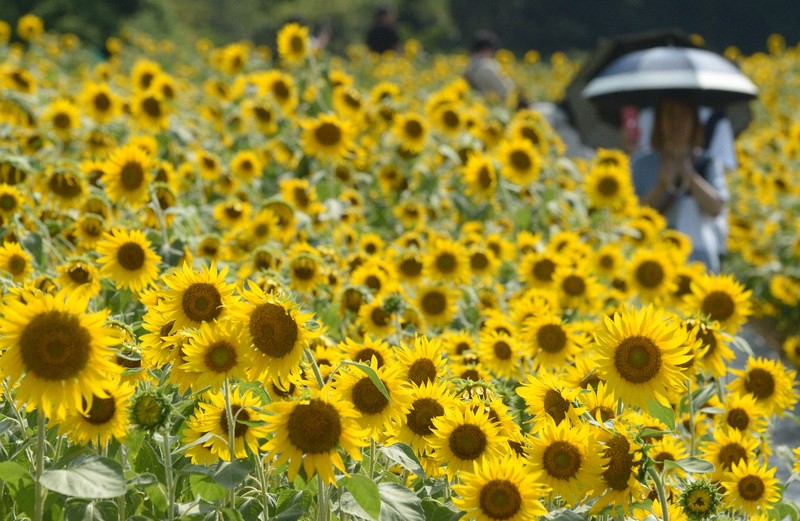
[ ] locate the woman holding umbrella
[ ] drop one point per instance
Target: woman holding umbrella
(682, 183)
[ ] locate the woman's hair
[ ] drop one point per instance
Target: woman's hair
(658, 138)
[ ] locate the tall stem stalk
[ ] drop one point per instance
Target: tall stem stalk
(661, 491)
(323, 511)
(167, 456)
(226, 390)
(39, 492)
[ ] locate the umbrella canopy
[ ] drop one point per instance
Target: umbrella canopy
(599, 125)
(696, 75)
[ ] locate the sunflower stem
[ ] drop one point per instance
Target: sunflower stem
(372, 453)
(322, 500)
(231, 433)
(263, 482)
(167, 456)
(661, 491)
(14, 408)
(315, 368)
(692, 441)
(39, 492)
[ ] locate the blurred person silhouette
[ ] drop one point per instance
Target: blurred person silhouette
(485, 74)
(383, 36)
(683, 181)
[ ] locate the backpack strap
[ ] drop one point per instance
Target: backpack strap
(710, 126)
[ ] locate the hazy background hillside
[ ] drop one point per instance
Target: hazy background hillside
(440, 25)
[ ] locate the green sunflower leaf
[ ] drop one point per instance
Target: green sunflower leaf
(231, 474)
(403, 455)
(399, 503)
(662, 412)
(370, 372)
(365, 492)
(88, 478)
(692, 465)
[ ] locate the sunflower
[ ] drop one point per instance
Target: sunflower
(13, 201)
(193, 298)
(552, 342)
(549, 400)
(305, 268)
(79, 276)
(279, 87)
(620, 473)
(521, 162)
(327, 137)
(412, 131)
(715, 354)
(751, 488)
(500, 353)
(63, 116)
(568, 458)
(374, 319)
(293, 43)
(651, 274)
(577, 289)
(232, 214)
(538, 268)
(426, 402)
(101, 104)
(143, 73)
(463, 437)
(769, 382)
(376, 413)
(499, 490)
(437, 303)
(276, 329)
(668, 448)
(216, 352)
(60, 355)
(104, 420)
(423, 362)
(743, 413)
(248, 418)
(149, 111)
(600, 403)
(127, 176)
(310, 433)
(376, 275)
(640, 352)
(480, 177)
(128, 259)
(728, 447)
(263, 115)
(63, 189)
(15, 261)
(447, 261)
(609, 187)
(483, 262)
(721, 298)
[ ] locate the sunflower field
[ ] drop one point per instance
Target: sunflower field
(251, 284)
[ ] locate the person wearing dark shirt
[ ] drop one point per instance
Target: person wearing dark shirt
(382, 36)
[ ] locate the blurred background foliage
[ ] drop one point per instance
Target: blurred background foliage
(439, 25)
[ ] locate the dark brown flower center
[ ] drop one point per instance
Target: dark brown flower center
(423, 411)
(562, 460)
(367, 398)
(273, 330)
(637, 359)
(500, 499)
(467, 442)
(201, 302)
(55, 346)
(131, 256)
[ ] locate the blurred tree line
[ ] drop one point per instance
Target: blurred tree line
(543, 25)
